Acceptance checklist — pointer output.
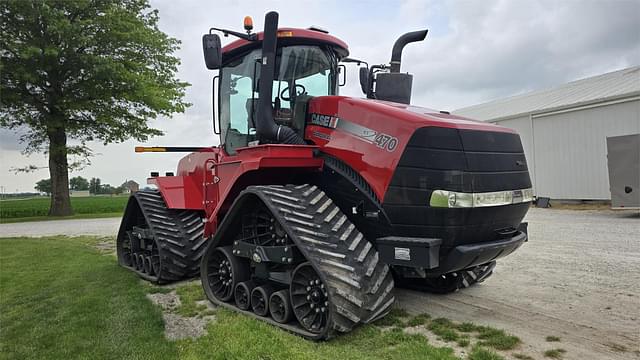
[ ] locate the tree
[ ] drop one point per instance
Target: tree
(94, 186)
(78, 183)
(44, 186)
(107, 189)
(83, 70)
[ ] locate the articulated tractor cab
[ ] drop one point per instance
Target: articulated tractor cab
(315, 205)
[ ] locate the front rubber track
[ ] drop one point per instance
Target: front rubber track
(360, 284)
(178, 234)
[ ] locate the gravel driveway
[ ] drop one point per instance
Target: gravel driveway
(577, 278)
(99, 227)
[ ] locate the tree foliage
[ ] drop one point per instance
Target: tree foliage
(84, 70)
(78, 183)
(95, 186)
(44, 186)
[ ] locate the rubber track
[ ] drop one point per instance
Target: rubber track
(456, 281)
(179, 234)
(360, 284)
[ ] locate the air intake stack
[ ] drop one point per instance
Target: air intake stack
(394, 85)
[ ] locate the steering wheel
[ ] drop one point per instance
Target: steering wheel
(300, 89)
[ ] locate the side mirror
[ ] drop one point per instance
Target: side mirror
(342, 71)
(364, 80)
(212, 51)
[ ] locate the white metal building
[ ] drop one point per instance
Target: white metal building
(564, 130)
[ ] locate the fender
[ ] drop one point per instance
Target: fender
(179, 192)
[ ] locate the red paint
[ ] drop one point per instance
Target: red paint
(377, 165)
(206, 179)
(210, 180)
(295, 33)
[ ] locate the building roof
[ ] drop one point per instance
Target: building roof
(606, 87)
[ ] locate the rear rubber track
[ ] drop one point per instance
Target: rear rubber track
(178, 235)
(360, 284)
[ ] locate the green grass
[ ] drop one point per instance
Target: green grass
(420, 319)
(444, 328)
(29, 209)
(463, 342)
(189, 295)
(395, 317)
(555, 353)
(467, 327)
(480, 353)
(155, 289)
(62, 299)
(552, 338)
(497, 339)
(53, 218)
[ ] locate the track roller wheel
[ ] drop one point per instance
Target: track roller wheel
(224, 271)
(146, 264)
(141, 262)
(242, 294)
(136, 262)
(260, 299)
(280, 306)
(309, 298)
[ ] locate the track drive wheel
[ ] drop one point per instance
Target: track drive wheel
(309, 298)
(224, 272)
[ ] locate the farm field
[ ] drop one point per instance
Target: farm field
(83, 207)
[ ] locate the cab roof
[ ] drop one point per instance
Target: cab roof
(287, 36)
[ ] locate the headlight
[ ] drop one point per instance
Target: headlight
(454, 199)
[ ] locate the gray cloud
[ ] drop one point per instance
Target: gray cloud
(475, 52)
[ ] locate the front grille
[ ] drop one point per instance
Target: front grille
(457, 160)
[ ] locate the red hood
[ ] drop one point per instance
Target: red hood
(371, 135)
(424, 116)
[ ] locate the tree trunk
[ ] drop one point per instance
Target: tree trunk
(59, 171)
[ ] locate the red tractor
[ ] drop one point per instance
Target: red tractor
(316, 205)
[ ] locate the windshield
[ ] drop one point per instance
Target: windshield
(302, 72)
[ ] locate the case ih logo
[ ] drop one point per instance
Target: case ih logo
(324, 120)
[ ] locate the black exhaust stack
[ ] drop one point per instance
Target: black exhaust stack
(396, 53)
(266, 128)
(395, 86)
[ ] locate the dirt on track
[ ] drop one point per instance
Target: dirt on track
(577, 278)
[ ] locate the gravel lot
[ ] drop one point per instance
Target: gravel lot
(577, 278)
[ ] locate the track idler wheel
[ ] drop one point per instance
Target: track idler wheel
(224, 272)
(280, 306)
(309, 298)
(242, 294)
(260, 299)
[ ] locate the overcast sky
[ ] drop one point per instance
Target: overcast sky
(475, 51)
